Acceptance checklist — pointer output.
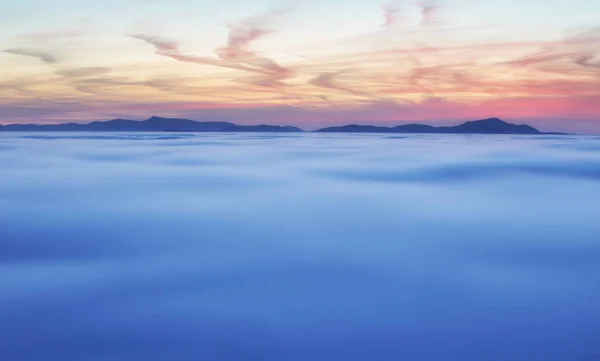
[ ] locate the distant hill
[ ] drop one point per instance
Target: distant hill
(153, 124)
(159, 124)
(485, 126)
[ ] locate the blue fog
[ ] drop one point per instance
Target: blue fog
(153, 247)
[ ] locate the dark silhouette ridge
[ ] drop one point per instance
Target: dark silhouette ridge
(153, 124)
(159, 124)
(485, 126)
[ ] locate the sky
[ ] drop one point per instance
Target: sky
(305, 63)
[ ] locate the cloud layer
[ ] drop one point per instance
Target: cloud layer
(295, 247)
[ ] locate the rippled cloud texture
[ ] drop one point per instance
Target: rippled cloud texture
(299, 247)
(305, 63)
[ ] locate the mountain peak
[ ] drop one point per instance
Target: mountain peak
(489, 121)
(493, 126)
(157, 119)
(483, 126)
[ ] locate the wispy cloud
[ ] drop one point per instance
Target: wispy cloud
(429, 10)
(586, 61)
(84, 72)
(392, 13)
(237, 54)
(45, 57)
(328, 81)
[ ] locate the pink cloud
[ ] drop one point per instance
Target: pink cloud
(392, 13)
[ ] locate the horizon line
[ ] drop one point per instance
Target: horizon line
(387, 126)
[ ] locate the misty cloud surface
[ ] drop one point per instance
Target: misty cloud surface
(168, 246)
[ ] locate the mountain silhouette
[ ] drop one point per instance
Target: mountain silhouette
(152, 124)
(484, 126)
(159, 124)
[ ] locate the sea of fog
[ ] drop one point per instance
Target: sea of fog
(299, 247)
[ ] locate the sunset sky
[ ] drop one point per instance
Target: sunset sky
(307, 63)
